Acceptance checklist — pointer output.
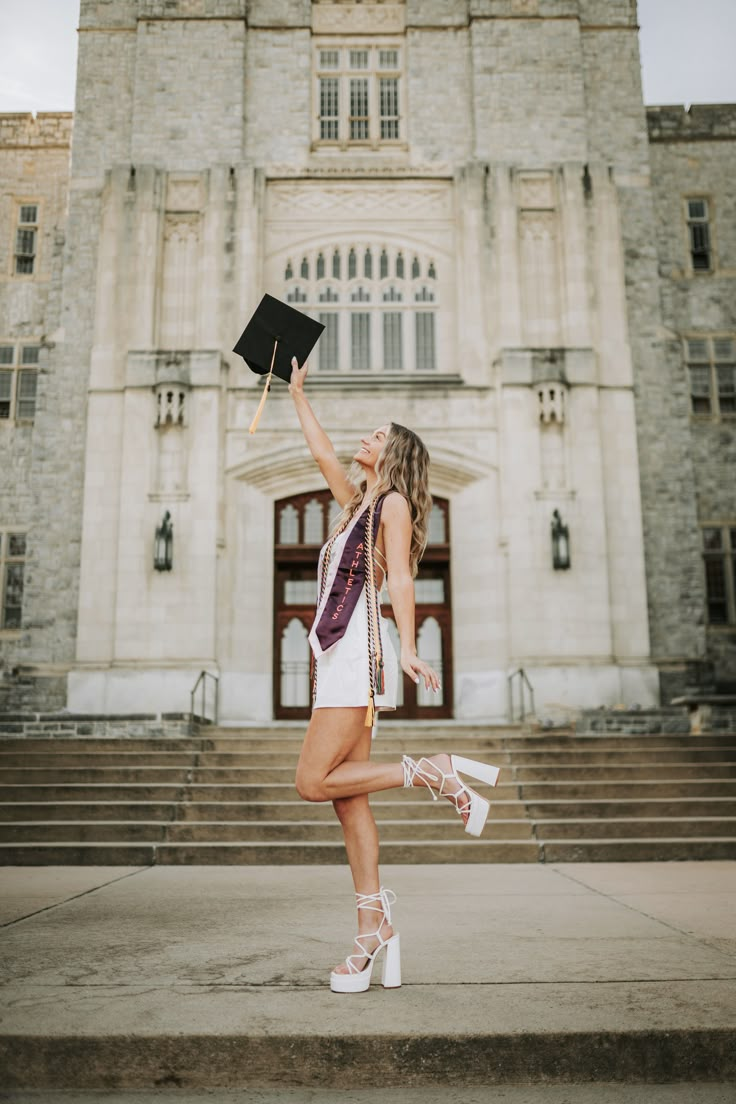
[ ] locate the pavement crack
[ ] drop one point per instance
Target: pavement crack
(700, 940)
(74, 897)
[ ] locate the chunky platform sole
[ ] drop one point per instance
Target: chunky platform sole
(390, 975)
(479, 807)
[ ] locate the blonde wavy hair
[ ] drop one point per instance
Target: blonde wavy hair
(402, 466)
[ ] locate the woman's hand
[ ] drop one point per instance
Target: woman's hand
(298, 376)
(417, 669)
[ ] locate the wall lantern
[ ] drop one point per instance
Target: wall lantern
(560, 543)
(163, 545)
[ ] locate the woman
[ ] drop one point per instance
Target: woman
(382, 530)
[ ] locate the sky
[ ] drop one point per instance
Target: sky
(687, 49)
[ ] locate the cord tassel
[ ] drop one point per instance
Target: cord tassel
(370, 713)
(264, 396)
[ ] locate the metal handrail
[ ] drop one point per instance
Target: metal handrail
(203, 676)
(523, 678)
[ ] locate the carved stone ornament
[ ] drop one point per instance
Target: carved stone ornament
(346, 19)
(184, 195)
(536, 192)
(423, 200)
(551, 399)
(171, 407)
(181, 228)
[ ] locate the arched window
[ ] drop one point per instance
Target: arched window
(393, 343)
(366, 323)
(437, 528)
(313, 522)
(288, 525)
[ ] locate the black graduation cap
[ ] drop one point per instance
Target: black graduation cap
(276, 333)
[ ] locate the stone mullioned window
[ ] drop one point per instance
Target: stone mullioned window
(12, 565)
(378, 306)
(18, 382)
(699, 236)
(357, 94)
(26, 240)
(711, 365)
(719, 556)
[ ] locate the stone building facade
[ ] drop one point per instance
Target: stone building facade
(499, 238)
(34, 195)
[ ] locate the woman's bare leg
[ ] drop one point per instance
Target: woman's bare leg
(325, 771)
(361, 843)
(355, 815)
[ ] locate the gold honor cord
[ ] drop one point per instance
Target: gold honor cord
(266, 389)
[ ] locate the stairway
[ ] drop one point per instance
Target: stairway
(227, 796)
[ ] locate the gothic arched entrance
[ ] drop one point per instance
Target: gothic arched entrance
(301, 526)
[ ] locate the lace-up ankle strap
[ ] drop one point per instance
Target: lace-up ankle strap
(384, 899)
(414, 769)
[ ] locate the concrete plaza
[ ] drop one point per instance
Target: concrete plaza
(163, 982)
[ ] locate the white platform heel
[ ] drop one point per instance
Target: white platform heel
(476, 806)
(357, 980)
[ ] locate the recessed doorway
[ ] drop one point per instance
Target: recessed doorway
(301, 526)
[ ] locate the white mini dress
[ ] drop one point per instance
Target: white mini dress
(343, 677)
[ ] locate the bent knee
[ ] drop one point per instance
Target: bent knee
(308, 787)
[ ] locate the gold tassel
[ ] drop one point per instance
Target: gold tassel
(369, 713)
(264, 396)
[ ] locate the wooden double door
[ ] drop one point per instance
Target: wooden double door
(301, 526)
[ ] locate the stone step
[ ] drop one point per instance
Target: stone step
(654, 807)
(465, 850)
(633, 827)
(634, 789)
(638, 850)
(418, 741)
(21, 760)
(295, 831)
(253, 776)
(233, 810)
(660, 772)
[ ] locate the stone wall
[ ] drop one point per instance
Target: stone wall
(64, 726)
(34, 168)
(693, 153)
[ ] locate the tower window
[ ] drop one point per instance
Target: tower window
(698, 225)
(358, 94)
(26, 238)
(12, 567)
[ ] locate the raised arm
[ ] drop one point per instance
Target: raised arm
(318, 442)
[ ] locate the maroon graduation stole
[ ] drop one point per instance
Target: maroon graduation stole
(349, 579)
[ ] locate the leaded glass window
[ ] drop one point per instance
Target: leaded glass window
(358, 90)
